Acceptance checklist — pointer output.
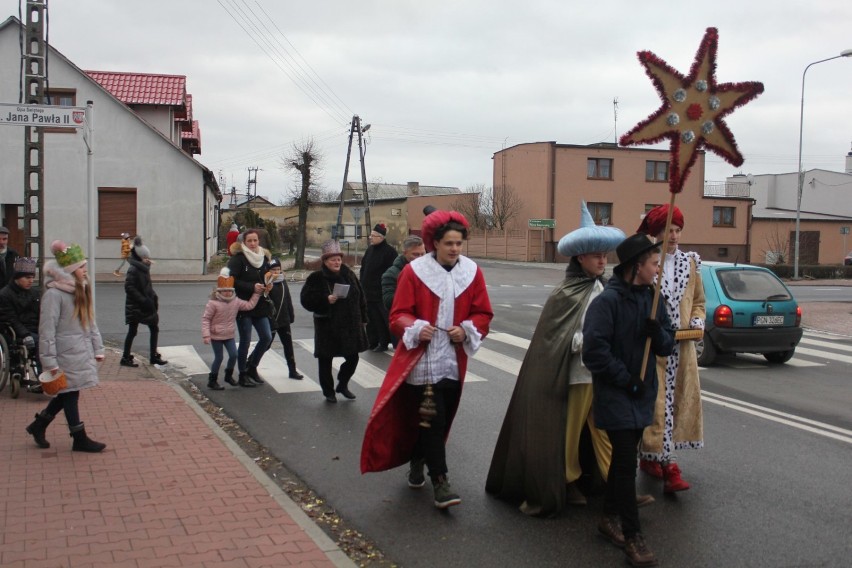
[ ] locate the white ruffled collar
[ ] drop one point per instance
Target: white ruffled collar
(435, 276)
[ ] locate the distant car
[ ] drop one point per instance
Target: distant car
(749, 310)
(848, 260)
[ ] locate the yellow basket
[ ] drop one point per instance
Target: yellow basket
(50, 384)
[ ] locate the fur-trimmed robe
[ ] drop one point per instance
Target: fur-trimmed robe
(678, 406)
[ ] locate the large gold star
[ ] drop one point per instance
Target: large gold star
(692, 111)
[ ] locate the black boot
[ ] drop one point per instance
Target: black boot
(229, 377)
(245, 381)
(213, 382)
(294, 373)
(83, 443)
(38, 428)
(127, 361)
(157, 359)
(344, 390)
(251, 371)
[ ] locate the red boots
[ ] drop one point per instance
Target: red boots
(672, 480)
(652, 468)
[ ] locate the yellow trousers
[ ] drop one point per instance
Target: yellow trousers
(579, 413)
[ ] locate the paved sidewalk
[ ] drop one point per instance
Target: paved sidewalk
(171, 488)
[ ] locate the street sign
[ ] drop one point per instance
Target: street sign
(542, 223)
(42, 115)
(356, 213)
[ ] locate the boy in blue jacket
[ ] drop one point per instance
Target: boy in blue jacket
(614, 335)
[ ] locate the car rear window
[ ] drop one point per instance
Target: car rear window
(752, 285)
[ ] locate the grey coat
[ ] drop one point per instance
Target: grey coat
(62, 341)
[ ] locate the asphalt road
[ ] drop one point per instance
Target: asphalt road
(770, 489)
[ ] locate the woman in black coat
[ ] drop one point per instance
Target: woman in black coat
(141, 304)
(248, 265)
(338, 320)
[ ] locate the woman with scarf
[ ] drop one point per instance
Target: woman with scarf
(248, 265)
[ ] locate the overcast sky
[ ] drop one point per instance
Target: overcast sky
(446, 83)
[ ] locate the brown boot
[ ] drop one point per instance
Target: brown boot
(610, 527)
(638, 553)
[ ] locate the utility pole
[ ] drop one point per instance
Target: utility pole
(251, 186)
(355, 127)
(35, 77)
(615, 115)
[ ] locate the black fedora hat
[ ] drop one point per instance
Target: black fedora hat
(632, 248)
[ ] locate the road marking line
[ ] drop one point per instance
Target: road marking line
(185, 358)
(824, 355)
(509, 339)
(273, 369)
(799, 422)
(829, 344)
(468, 378)
(538, 306)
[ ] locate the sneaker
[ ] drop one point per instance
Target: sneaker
(128, 362)
(673, 481)
(444, 495)
(610, 527)
(638, 553)
(573, 495)
(416, 478)
(644, 499)
(116, 273)
(652, 468)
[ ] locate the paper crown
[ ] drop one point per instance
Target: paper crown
(69, 257)
(225, 282)
(589, 237)
(24, 265)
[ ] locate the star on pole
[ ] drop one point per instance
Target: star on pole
(693, 110)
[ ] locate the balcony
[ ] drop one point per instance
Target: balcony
(727, 189)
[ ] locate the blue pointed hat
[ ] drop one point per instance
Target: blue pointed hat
(589, 237)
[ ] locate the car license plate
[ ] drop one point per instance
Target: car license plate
(768, 320)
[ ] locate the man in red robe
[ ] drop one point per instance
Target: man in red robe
(442, 313)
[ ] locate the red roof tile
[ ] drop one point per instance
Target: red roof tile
(143, 88)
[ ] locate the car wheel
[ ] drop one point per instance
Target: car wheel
(779, 356)
(705, 351)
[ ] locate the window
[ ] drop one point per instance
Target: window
(599, 168)
(116, 212)
(601, 213)
(722, 251)
(61, 97)
(656, 171)
(723, 216)
(649, 206)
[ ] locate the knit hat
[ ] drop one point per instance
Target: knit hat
(654, 222)
(381, 229)
(4, 231)
(24, 266)
(330, 248)
(589, 237)
(139, 249)
(632, 248)
(69, 257)
(436, 220)
(274, 263)
(125, 235)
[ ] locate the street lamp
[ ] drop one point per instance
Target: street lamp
(844, 53)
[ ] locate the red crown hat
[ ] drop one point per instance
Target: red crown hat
(654, 222)
(435, 220)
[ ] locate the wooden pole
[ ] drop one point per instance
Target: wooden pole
(656, 301)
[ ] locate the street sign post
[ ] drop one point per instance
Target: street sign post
(542, 223)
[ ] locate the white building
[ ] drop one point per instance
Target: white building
(146, 178)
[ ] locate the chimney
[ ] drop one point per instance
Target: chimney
(849, 162)
(414, 187)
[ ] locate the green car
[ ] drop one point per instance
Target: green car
(749, 310)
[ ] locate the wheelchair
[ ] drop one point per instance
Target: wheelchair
(18, 366)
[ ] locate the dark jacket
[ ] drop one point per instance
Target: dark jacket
(377, 259)
(19, 308)
(613, 348)
(339, 327)
(141, 303)
(282, 306)
(389, 279)
(245, 277)
(7, 269)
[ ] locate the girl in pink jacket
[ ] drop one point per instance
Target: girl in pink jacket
(218, 325)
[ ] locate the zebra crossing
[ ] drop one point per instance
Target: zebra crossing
(499, 359)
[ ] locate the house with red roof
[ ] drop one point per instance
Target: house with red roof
(148, 179)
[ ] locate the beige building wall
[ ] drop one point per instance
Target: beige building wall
(768, 233)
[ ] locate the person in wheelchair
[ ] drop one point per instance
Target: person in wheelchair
(19, 307)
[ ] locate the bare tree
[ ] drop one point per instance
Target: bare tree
(777, 251)
(470, 204)
(506, 205)
(304, 161)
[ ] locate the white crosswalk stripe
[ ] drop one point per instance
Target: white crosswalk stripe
(500, 358)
